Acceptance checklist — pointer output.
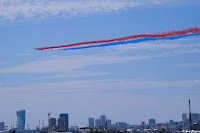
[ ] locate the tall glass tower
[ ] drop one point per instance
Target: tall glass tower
(97, 123)
(65, 115)
(21, 120)
(103, 121)
(91, 122)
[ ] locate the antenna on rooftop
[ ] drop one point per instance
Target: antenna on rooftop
(11, 121)
(190, 117)
(39, 124)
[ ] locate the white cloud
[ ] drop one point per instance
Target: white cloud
(167, 49)
(148, 46)
(186, 51)
(68, 63)
(3, 62)
(75, 74)
(80, 86)
(189, 65)
(158, 45)
(95, 85)
(11, 9)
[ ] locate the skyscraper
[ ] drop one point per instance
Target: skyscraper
(91, 122)
(184, 117)
(52, 124)
(97, 123)
(65, 115)
(20, 120)
(103, 121)
(109, 123)
(2, 126)
(171, 122)
(152, 122)
(61, 124)
(195, 117)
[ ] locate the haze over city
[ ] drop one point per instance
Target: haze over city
(128, 83)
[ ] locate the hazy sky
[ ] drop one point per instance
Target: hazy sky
(130, 83)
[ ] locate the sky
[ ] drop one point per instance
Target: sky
(130, 83)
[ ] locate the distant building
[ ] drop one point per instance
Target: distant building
(196, 126)
(2, 125)
(20, 120)
(152, 122)
(171, 122)
(97, 123)
(195, 117)
(109, 123)
(143, 124)
(61, 124)
(52, 124)
(184, 117)
(91, 122)
(121, 125)
(84, 130)
(73, 128)
(66, 116)
(103, 121)
(160, 126)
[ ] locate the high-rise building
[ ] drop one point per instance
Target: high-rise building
(52, 124)
(2, 125)
(20, 120)
(91, 122)
(109, 123)
(103, 121)
(152, 122)
(66, 116)
(184, 117)
(97, 123)
(61, 124)
(195, 117)
(171, 122)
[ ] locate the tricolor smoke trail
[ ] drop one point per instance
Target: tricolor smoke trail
(126, 40)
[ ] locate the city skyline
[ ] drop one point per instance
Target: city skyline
(130, 82)
(55, 121)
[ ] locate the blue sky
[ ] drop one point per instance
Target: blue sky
(130, 83)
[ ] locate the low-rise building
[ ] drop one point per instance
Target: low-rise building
(84, 130)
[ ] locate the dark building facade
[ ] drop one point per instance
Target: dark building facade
(108, 123)
(97, 123)
(61, 124)
(52, 124)
(2, 125)
(152, 122)
(20, 120)
(66, 117)
(91, 122)
(103, 121)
